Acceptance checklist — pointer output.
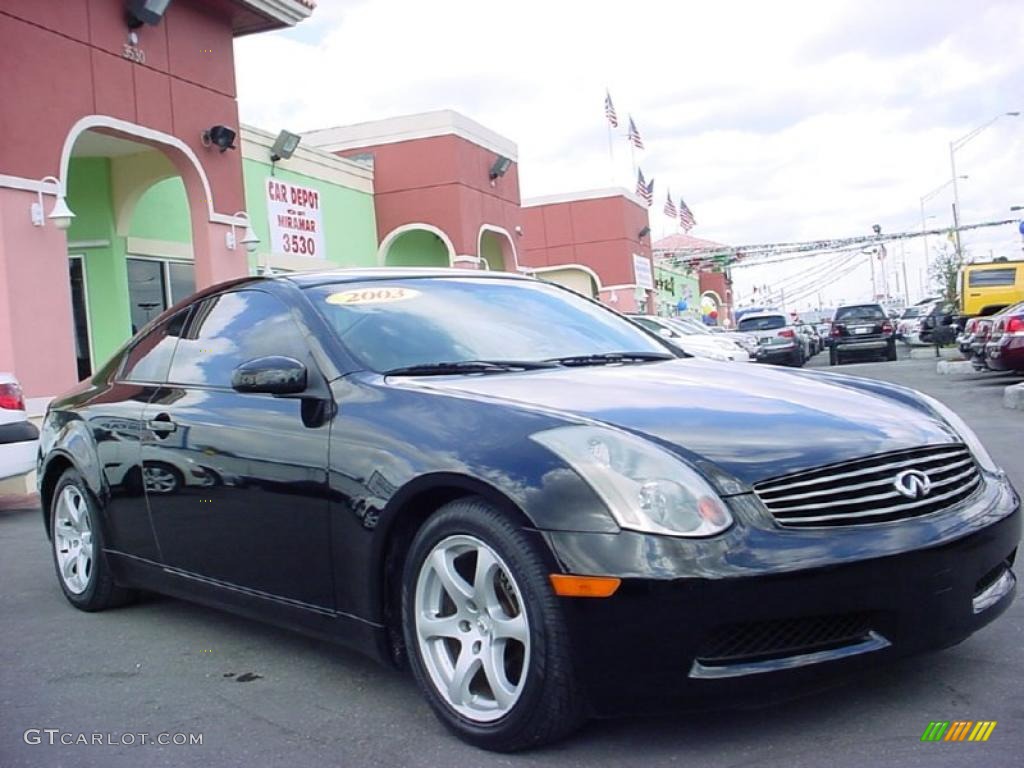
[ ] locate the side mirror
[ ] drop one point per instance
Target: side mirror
(272, 375)
(666, 333)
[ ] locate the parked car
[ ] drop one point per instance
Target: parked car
(543, 526)
(813, 340)
(1004, 350)
(966, 337)
(939, 325)
(692, 343)
(777, 338)
(908, 327)
(18, 436)
(861, 330)
(688, 325)
(982, 331)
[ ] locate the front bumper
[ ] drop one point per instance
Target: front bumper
(690, 620)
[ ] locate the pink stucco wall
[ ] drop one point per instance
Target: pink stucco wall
(601, 233)
(442, 181)
(63, 61)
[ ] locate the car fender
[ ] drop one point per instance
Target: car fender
(74, 442)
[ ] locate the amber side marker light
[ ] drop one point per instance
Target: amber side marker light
(584, 586)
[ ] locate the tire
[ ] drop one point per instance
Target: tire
(541, 702)
(85, 577)
(890, 352)
(797, 360)
(162, 478)
(833, 356)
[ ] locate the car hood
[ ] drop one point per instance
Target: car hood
(755, 423)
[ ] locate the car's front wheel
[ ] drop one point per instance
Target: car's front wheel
(77, 541)
(486, 637)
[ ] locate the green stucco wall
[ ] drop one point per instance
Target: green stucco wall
(673, 285)
(490, 250)
(417, 248)
(350, 225)
(162, 213)
(89, 196)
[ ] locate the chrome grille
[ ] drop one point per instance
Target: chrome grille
(863, 490)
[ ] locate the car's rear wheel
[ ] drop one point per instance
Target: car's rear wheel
(890, 352)
(78, 556)
(833, 356)
(486, 637)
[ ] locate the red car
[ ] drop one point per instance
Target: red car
(1004, 350)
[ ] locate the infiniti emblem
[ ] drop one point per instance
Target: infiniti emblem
(913, 483)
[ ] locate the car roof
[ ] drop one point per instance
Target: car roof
(351, 275)
(750, 315)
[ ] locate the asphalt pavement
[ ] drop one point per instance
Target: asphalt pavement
(261, 696)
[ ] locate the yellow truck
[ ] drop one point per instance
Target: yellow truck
(987, 288)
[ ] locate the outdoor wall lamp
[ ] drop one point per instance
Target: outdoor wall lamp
(500, 167)
(284, 146)
(219, 135)
(249, 238)
(139, 12)
(60, 214)
(643, 233)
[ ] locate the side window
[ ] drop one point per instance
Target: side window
(230, 329)
(150, 358)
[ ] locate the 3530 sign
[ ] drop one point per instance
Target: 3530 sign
(296, 219)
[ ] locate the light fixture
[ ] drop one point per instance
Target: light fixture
(60, 214)
(500, 167)
(249, 238)
(643, 233)
(284, 146)
(139, 12)
(518, 229)
(219, 135)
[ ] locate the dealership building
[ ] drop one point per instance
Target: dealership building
(126, 183)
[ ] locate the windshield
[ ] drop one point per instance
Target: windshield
(912, 312)
(769, 323)
(865, 312)
(399, 323)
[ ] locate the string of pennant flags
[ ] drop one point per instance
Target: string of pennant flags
(644, 186)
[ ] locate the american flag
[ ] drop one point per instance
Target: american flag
(649, 194)
(641, 185)
(634, 135)
(686, 216)
(609, 110)
(670, 207)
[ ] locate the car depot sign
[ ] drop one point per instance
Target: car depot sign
(642, 272)
(296, 219)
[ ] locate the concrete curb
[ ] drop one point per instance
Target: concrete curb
(950, 367)
(1013, 396)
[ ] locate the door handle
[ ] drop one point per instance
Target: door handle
(162, 425)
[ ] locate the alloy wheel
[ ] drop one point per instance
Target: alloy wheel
(159, 479)
(72, 540)
(472, 628)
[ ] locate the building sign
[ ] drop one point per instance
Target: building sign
(296, 219)
(642, 272)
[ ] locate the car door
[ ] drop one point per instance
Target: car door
(242, 491)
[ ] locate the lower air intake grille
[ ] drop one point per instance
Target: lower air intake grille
(785, 637)
(876, 489)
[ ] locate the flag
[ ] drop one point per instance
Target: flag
(670, 207)
(686, 216)
(634, 135)
(649, 193)
(641, 185)
(609, 110)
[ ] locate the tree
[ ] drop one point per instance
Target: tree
(944, 272)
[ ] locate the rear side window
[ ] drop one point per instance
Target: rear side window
(150, 357)
(865, 312)
(762, 323)
(233, 328)
(980, 278)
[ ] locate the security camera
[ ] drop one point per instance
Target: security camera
(221, 136)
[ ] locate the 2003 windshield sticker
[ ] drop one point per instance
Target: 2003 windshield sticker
(372, 296)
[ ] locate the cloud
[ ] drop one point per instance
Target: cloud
(775, 121)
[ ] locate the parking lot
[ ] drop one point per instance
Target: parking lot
(262, 696)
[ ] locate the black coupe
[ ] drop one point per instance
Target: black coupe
(536, 505)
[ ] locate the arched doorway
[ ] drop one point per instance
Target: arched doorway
(496, 249)
(416, 245)
(575, 276)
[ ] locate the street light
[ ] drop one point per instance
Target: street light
(953, 147)
(925, 199)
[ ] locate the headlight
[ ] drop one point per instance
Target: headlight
(645, 488)
(966, 434)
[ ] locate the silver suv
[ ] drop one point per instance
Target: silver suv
(778, 340)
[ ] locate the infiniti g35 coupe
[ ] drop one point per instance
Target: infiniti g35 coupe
(535, 505)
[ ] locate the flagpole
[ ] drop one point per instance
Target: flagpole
(611, 153)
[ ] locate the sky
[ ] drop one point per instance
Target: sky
(776, 122)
